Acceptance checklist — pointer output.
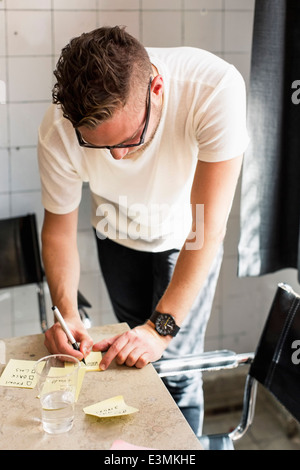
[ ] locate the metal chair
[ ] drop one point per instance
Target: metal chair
(274, 365)
(20, 262)
(83, 303)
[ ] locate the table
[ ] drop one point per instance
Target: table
(159, 424)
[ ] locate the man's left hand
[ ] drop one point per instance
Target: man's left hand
(136, 347)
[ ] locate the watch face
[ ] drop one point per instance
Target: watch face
(165, 324)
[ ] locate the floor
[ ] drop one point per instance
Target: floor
(268, 431)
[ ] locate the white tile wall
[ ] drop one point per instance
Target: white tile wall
(32, 32)
(23, 202)
(74, 5)
(24, 119)
(28, 4)
(24, 170)
(241, 23)
(203, 4)
(3, 127)
(158, 5)
(28, 32)
(2, 32)
(129, 18)
(118, 5)
(4, 174)
(30, 78)
(204, 29)
(68, 24)
(239, 5)
(154, 28)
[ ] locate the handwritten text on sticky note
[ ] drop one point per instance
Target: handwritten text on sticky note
(19, 373)
(93, 360)
(115, 406)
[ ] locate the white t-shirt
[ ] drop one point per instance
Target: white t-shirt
(144, 202)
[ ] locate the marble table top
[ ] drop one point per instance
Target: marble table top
(158, 424)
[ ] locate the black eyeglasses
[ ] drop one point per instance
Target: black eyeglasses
(83, 143)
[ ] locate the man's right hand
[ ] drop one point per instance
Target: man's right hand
(56, 340)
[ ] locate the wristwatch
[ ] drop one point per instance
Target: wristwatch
(164, 324)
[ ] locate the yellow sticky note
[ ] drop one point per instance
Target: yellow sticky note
(115, 406)
(81, 373)
(93, 360)
(19, 373)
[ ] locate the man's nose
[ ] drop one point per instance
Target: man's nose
(118, 154)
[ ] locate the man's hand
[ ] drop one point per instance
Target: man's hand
(136, 347)
(56, 340)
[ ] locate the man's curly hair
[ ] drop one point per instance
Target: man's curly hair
(96, 73)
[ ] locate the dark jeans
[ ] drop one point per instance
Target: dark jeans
(135, 281)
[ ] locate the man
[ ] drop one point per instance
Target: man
(159, 135)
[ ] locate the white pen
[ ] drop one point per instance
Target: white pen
(66, 329)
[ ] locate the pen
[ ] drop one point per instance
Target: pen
(66, 329)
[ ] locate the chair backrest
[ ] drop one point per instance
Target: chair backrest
(20, 261)
(276, 364)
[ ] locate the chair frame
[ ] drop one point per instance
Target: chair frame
(215, 361)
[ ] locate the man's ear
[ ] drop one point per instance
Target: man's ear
(157, 86)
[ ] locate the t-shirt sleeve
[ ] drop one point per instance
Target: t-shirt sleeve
(60, 183)
(220, 122)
